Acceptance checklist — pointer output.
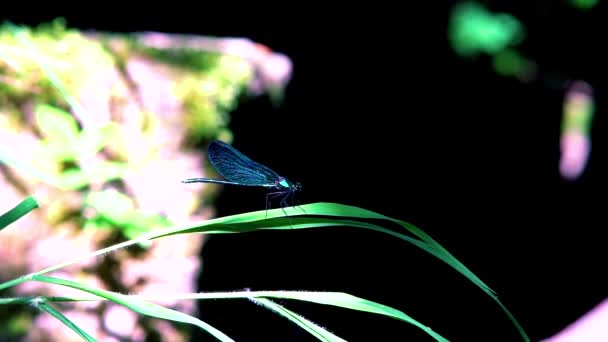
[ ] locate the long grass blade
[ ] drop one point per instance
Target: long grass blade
(316, 215)
(55, 313)
(138, 305)
(304, 323)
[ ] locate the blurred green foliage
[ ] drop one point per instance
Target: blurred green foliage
(114, 209)
(584, 4)
(45, 68)
(50, 63)
(473, 30)
(63, 141)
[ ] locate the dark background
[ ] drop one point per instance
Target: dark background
(381, 114)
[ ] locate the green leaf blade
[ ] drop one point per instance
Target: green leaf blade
(17, 212)
(348, 301)
(302, 322)
(140, 306)
(55, 313)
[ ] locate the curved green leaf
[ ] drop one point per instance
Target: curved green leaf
(264, 220)
(316, 215)
(348, 301)
(138, 305)
(304, 323)
(55, 313)
(17, 212)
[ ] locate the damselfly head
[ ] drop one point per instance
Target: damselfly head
(285, 184)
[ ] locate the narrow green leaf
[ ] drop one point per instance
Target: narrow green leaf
(304, 323)
(255, 220)
(323, 217)
(138, 305)
(348, 301)
(338, 299)
(334, 209)
(51, 310)
(17, 212)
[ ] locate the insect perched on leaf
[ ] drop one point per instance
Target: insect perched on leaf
(238, 169)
